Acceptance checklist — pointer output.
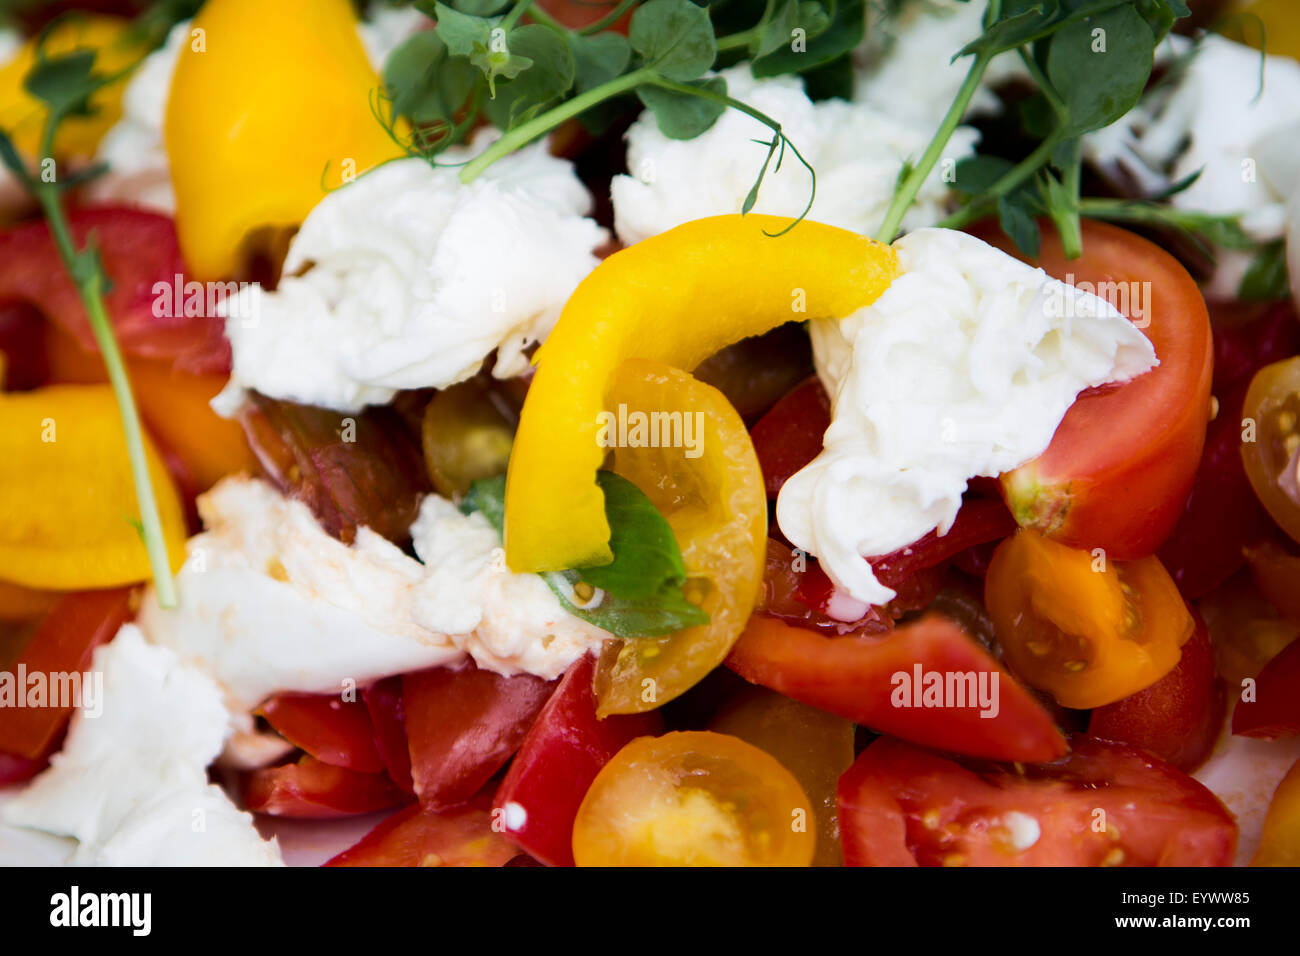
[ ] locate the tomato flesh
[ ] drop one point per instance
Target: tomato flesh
(329, 728)
(312, 790)
(1275, 711)
(1270, 450)
(415, 836)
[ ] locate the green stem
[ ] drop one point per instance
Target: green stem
(744, 38)
(525, 133)
(517, 11)
(911, 185)
(539, 15)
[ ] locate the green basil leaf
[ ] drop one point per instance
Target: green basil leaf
(680, 115)
(831, 80)
(1267, 280)
(1100, 66)
(645, 552)
(549, 76)
(487, 496)
(830, 30)
(598, 58)
(664, 613)
(976, 174)
(675, 37)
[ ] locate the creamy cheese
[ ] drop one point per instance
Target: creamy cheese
(963, 367)
(131, 785)
(856, 149)
(408, 279)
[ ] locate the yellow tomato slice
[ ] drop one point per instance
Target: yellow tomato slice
(717, 509)
(1279, 843)
(675, 298)
(693, 799)
(68, 511)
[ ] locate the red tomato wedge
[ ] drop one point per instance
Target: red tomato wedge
(383, 700)
(139, 251)
(1275, 711)
(463, 724)
(1105, 804)
(16, 769)
(418, 837)
(859, 678)
(64, 643)
(1122, 461)
(310, 789)
(1178, 718)
(790, 435)
(332, 730)
(560, 757)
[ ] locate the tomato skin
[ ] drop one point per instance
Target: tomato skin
(559, 759)
(1279, 843)
(1275, 711)
(1179, 717)
(64, 642)
(16, 769)
(1269, 455)
(312, 790)
(415, 836)
(1275, 571)
(383, 701)
(22, 347)
(757, 372)
(1119, 468)
(332, 730)
(903, 806)
(852, 677)
(462, 725)
(790, 435)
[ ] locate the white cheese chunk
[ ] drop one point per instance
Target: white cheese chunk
(963, 367)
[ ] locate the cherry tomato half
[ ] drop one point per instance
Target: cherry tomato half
(1270, 447)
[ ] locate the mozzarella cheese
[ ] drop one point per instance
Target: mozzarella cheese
(131, 785)
(856, 149)
(408, 279)
(963, 367)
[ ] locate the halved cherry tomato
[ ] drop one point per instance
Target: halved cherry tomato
(1087, 630)
(1275, 711)
(857, 677)
(558, 760)
(716, 508)
(388, 716)
(1276, 573)
(313, 790)
(1279, 842)
(16, 769)
(419, 837)
(694, 798)
(790, 435)
(1247, 631)
(466, 434)
(1123, 459)
(18, 603)
(756, 372)
(797, 591)
(1270, 447)
(23, 356)
(1104, 804)
(332, 730)
(64, 643)
(1179, 717)
(815, 746)
(463, 724)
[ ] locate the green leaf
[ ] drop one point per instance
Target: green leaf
(976, 174)
(831, 80)
(1016, 216)
(598, 58)
(65, 82)
(663, 613)
(460, 32)
(13, 161)
(480, 8)
(1267, 280)
(775, 33)
(1100, 66)
(548, 78)
(411, 78)
(680, 115)
(675, 37)
(831, 30)
(1161, 14)
(488, 497)
(1019, 22)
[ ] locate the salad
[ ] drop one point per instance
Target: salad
(650, 433)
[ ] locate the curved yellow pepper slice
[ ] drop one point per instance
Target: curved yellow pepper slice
(68, 509)
(270, 107)
(23, 116)
(674, 298)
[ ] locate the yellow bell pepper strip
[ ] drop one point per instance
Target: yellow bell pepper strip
(23, 116)
(270, 108)
(68, 511)
(1279, 843)
(674, 298)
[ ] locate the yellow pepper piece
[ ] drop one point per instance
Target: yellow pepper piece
(23, 116)
(674, 298)
(270, 107)
(1279, 844)
(67, 503)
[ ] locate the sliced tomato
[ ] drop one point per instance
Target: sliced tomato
(415, 836)
(1275, 711)
(797, 591)
(1248, 336)
(1270, 447)
(859, 678)
(463, 724)
(1179, 717)
(790, 435)
(383, 701)
(1103, 804)
(16, 769)
(1279, 842)
(63, 643)
(311, 789)
(695, 798)
(755, 373)
(1087, 630)
(1118, 470)
(1276, 572)
(138, 250)
(1246, 630)
(24, 363)
(979, 520)
(332, 730)
(565, 749)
